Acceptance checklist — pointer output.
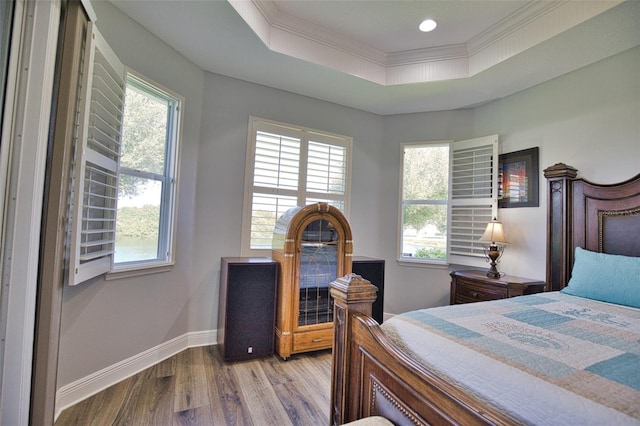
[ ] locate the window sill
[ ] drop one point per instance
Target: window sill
(415, 263)
(136, 271)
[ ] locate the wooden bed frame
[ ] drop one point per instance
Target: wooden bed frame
(372, 376)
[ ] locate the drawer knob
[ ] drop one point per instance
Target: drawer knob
(474, 294)
(317, 340)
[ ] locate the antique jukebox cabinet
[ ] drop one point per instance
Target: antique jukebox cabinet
(313, 246)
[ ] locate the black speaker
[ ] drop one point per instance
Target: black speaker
(247, 307)
(372, 270)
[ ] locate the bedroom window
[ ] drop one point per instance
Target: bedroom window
(147, 177)
(425, 195)
(448, 194)
(289, 166)
(123, 177)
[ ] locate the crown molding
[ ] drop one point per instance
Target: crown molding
(534, 23)
(529, 26)
(298, 27)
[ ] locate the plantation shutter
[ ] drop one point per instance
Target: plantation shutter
(276, 178)
(327, 174)
(289, 166)
(97, 155)
(474, 196)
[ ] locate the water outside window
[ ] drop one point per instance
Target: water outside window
(141, 177)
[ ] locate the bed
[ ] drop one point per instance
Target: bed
(564, 356)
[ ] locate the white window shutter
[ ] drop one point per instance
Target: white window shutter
(326, 169)
(474, 196)
(277, 158)
(289, 166)
(96, 162)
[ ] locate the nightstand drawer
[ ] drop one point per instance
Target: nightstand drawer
(470, 291)
(475, 286)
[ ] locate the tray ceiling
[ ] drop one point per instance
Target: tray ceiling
(370, 55)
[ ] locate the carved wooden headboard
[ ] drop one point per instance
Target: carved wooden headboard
(601, 218)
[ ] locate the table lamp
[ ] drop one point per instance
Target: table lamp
(495, 239)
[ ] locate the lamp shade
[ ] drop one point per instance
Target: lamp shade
(494, 233)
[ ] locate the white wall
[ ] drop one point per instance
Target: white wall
(104, 322)
(225, 116)
(107, 322)
(413, 287)
(589, 119)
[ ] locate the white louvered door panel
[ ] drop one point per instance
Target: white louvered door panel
(97, 156)
(474, 195)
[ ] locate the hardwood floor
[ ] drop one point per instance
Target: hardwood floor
(195, 387)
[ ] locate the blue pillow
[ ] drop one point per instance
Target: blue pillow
(605, 277)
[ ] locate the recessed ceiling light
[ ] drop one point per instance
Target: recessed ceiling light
(428, 25)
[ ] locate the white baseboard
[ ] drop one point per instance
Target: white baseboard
(81, 389)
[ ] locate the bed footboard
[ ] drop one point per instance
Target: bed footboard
(372, 376)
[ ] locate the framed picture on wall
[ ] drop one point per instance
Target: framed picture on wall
(518, 179)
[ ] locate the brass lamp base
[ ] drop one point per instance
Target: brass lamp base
(493, 254)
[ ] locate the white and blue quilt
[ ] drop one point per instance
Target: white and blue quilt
(542, 359)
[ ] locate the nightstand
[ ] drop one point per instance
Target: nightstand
(475, 286)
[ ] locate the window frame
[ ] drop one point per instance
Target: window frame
(95, 169)
(169, 178)
(401, 202)
(305, 135)
(473, 259)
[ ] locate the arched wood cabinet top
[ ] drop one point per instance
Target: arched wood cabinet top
(290, 226)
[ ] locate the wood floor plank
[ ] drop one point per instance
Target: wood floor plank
(295, 399)
(108, 403)
(197, 388)
(317, 368)
(166, 367)
(227, 402)
(76, 415)
(195, 416)
(191, 382)
(154, 405)
(264, 402)
(127, 412)
(314, 384)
